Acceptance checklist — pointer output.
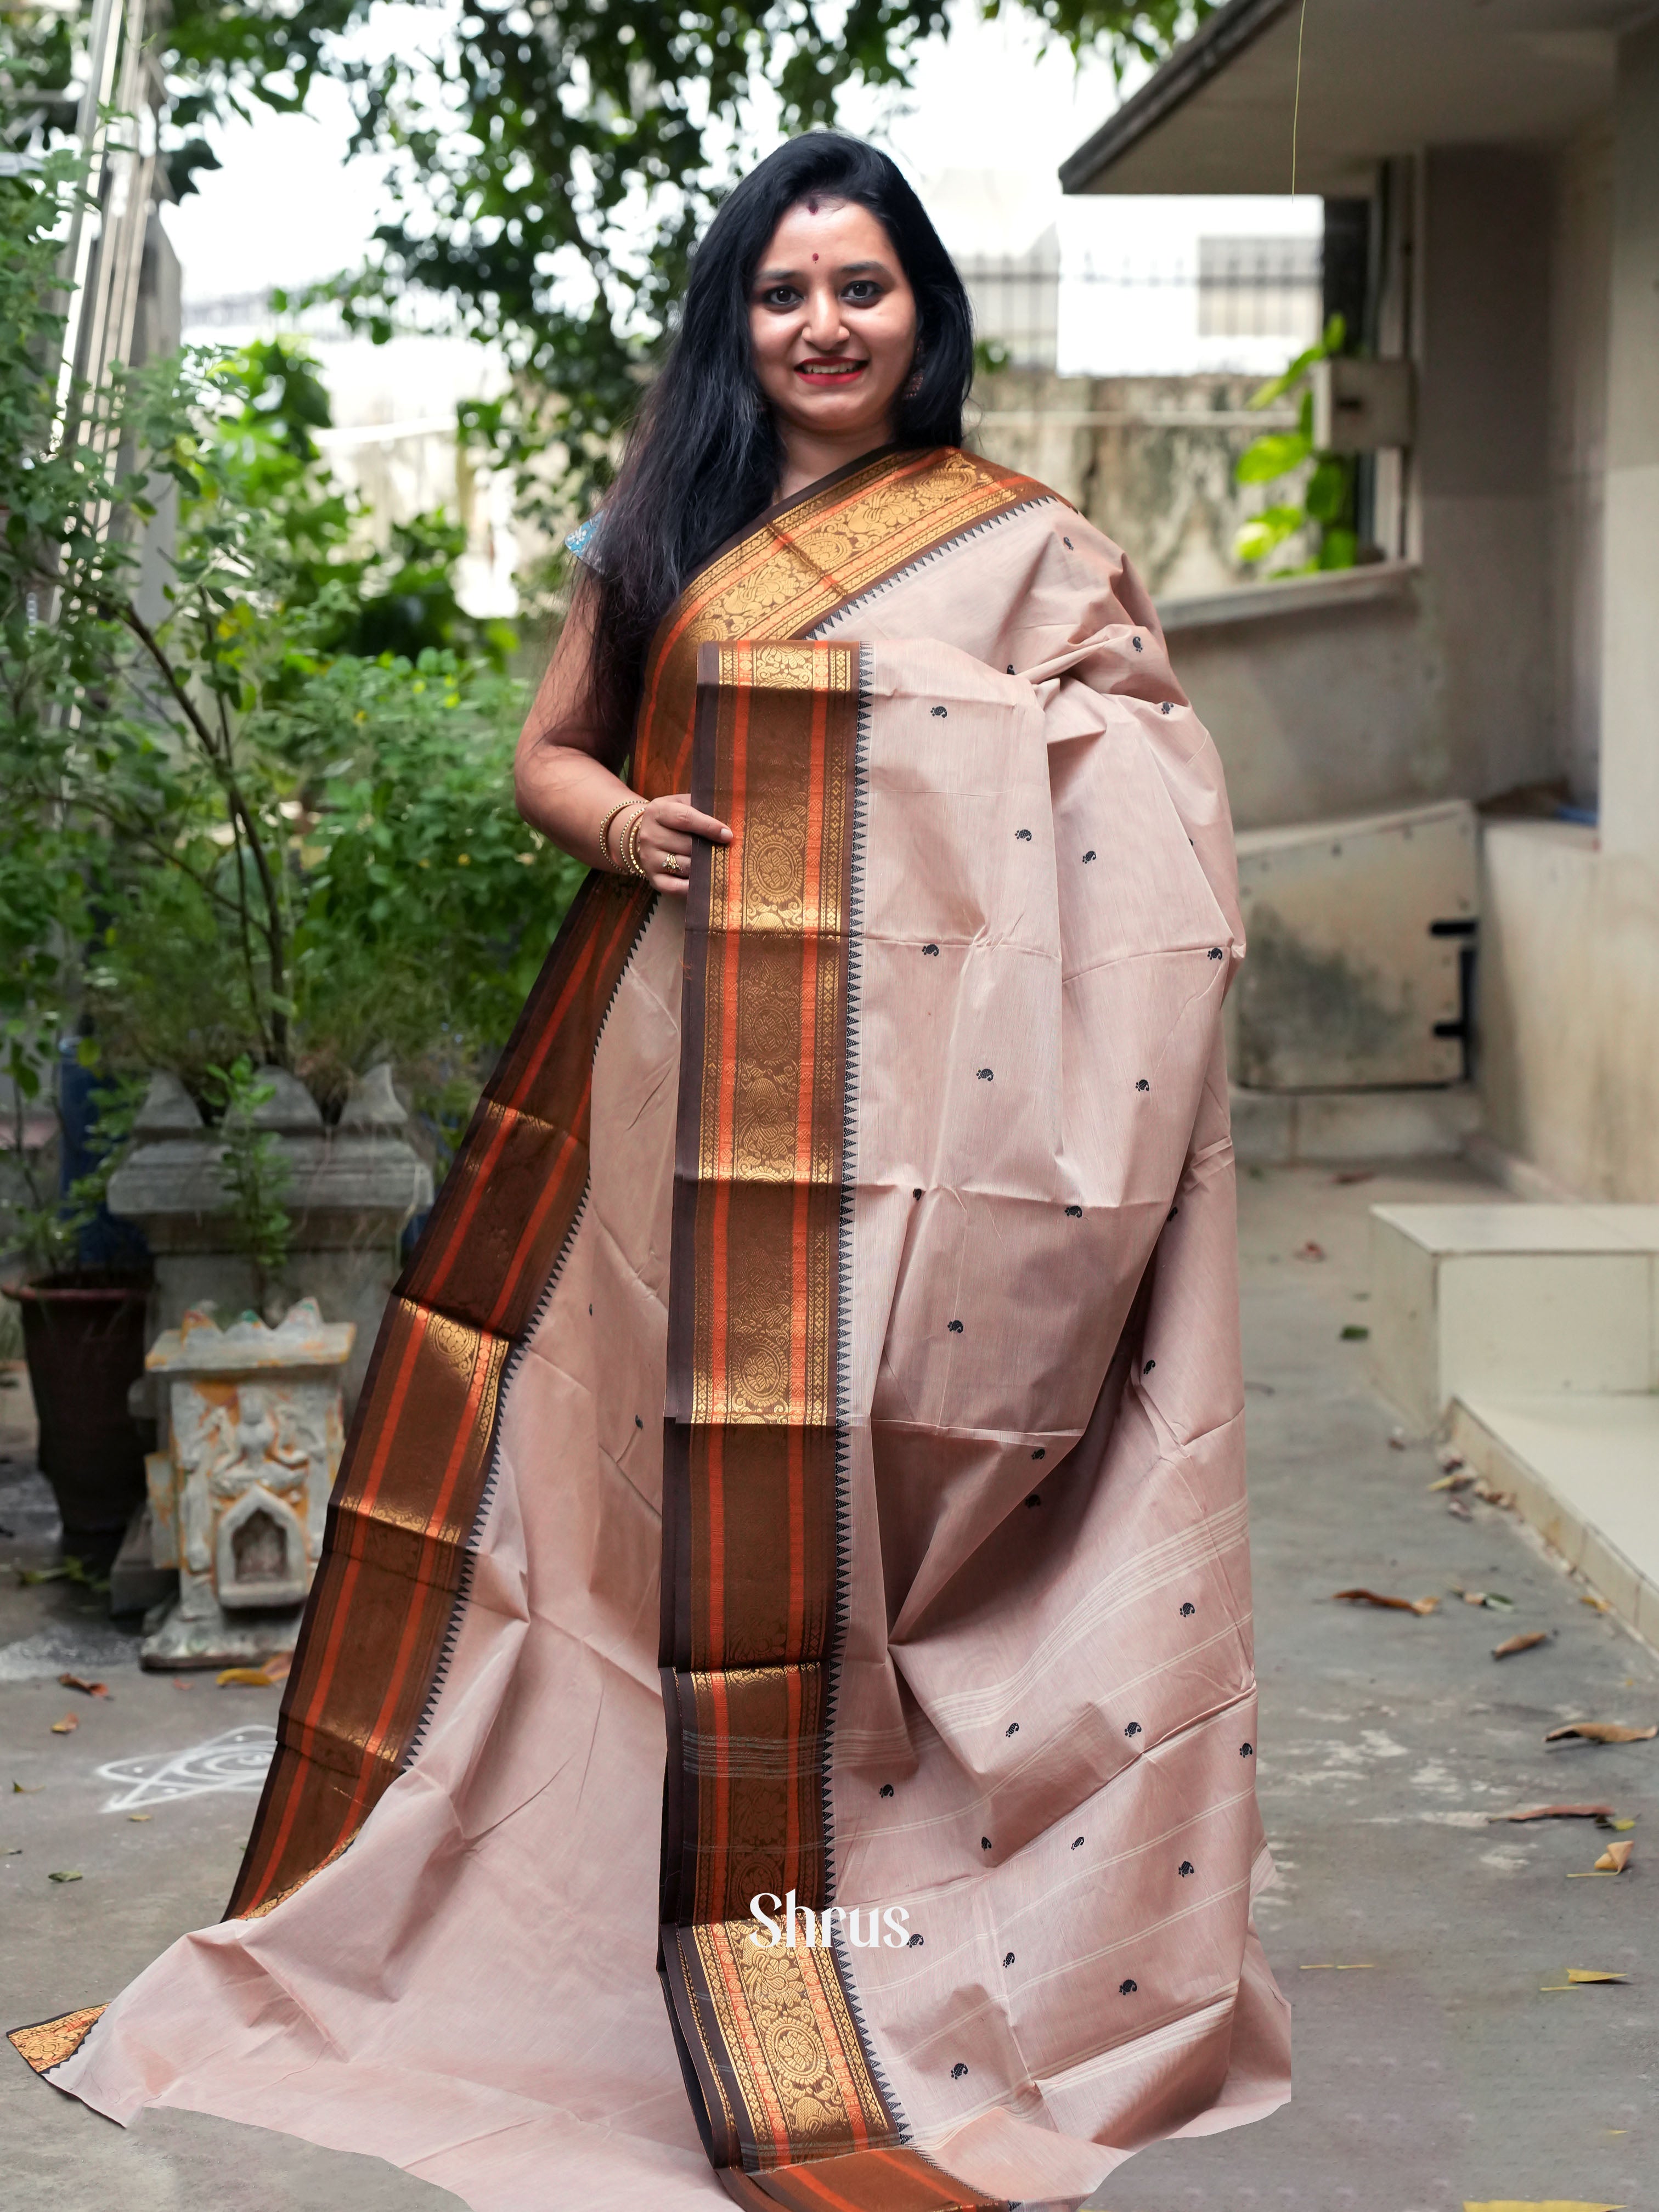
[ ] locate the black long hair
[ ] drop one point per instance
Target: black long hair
(703, 456)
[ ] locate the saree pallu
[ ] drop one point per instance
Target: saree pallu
(824, 1354)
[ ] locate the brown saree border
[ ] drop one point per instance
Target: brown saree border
(397, 1545)
(755, 1537)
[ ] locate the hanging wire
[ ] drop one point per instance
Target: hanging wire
(1296, 111)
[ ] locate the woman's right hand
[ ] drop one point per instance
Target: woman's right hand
(663, 840)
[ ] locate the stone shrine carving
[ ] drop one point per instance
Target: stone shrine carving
(254, 1433)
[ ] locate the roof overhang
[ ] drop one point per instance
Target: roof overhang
(1379, 77)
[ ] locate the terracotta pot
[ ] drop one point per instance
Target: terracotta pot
(83, 1337)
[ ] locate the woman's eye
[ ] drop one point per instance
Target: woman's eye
(863, 292)
(781, 295)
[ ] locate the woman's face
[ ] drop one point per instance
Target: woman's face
(833, 322)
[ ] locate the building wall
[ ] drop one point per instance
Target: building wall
(1569, 975)
(1580, 250)
(1481, 486)
(1149, 460)
(1629, 666)
(1318, 712)
(1569, 1007)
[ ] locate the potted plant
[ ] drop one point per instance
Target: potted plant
(82, 1326)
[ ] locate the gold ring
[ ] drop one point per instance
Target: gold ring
(673, 865)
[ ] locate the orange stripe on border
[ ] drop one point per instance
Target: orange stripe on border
(510, 1108)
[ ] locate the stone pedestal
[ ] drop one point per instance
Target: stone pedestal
(351, 1191)
(253, 1436)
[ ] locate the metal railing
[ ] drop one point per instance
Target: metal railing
(1239, 288)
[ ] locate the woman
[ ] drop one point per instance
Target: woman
(843, 1250)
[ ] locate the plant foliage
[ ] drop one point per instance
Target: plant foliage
(235, 822)
(1326, 505)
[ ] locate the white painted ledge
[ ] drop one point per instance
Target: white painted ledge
(1585, 1472)
(1335, 592)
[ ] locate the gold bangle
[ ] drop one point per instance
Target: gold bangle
(620, 807)
(631, 848)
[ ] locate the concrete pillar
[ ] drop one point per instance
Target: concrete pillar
(1481, 466)
(1630, 660)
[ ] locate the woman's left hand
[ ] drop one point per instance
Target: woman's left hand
(663, 840)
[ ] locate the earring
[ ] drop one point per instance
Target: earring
(914, 385)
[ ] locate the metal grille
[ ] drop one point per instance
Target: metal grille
(1242, 287)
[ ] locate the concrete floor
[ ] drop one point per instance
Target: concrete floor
(1442, 2072)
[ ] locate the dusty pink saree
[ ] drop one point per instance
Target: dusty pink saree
(826, 1345)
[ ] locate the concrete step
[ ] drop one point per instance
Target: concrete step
(1584, 1470)
(1280, 1128)
(1473, 1302)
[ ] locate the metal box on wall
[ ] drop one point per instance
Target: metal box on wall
(1362, 406)
(1359, 937)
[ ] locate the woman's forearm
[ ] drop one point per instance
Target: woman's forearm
(564, 789)
(563, 792)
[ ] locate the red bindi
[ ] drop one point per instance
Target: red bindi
(815, 257)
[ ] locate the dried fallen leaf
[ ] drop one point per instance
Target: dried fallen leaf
(1490, 1495)
(1456, 1479)
(1615, 1858)
(1514, 1644)
(1449, 1458)
(1602, 1732)
(72, 1875)
(1354, 1175)
(1556, 1812)
(87, 1689)
(1458, 1509)
(1619, 1826)
(1596, 1604)
(1351, 1333)
(1308, 1251)
(25, 1789)
(66, 1726)
(141, 1816)
(1593, 1974)
(1398, 1440)
(244, 1678)
(1421, 1605)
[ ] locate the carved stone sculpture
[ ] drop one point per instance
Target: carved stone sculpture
(253, 1434)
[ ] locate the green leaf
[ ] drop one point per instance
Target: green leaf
(1258, 537)
(1326, 496)
(1272, 455)
(1339, 550)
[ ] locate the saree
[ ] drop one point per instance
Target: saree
(823, 1361)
